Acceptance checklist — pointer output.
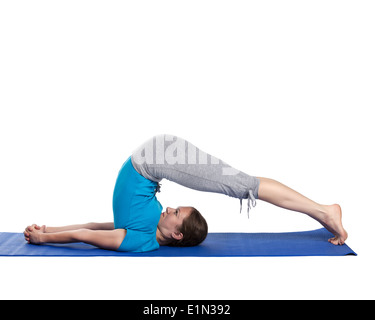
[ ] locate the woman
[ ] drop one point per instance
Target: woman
(139, 223)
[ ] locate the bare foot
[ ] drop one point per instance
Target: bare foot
(32, 233)
(333, 223)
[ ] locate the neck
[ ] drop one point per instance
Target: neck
(161, 238)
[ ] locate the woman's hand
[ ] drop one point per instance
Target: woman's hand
(33, 228)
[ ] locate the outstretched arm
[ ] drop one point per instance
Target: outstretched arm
(90, 225)
(104, 239)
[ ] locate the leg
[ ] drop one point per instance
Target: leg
(175, 159)
(328, 215)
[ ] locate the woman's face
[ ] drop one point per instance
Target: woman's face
(171, 220)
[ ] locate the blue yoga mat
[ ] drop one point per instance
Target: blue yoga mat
(307, 243)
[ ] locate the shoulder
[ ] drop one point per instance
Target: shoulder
(139, 241)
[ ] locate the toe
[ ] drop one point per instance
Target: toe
(334, 241)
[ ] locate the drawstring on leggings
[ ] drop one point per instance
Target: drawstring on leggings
(253, 203)
(157, 189)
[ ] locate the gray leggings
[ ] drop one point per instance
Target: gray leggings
(175, 159)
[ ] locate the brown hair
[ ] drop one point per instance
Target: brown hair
(194, 229)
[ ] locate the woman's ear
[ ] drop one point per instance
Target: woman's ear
(177, 235)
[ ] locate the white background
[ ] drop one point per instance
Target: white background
(281, 89)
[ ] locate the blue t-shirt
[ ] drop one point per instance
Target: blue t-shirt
(136, 209)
